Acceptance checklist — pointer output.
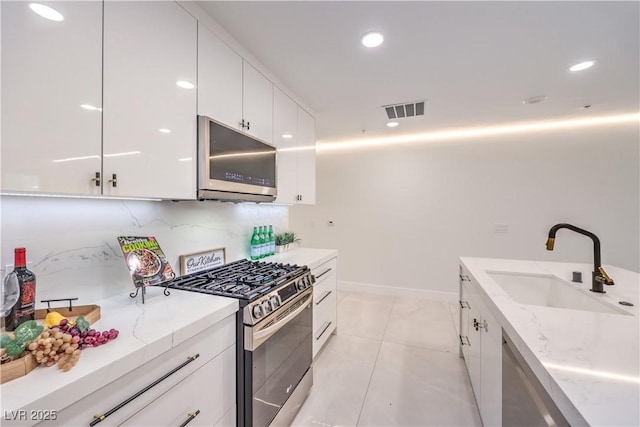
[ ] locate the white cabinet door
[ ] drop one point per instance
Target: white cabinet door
(257, 102)
(149, 133)
(473, 364)
(491, 376)
(219, 80)
(208, 392)
(306, 158)
(285, 138)
(49, 70)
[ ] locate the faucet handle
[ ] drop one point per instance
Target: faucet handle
(607, 279)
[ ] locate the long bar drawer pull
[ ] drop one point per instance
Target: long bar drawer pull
(99, 418)
(191, 415)
(464, 304)
(324, 330)
(323, 273)
(323, 297)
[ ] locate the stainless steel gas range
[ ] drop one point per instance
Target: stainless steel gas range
(274, 335)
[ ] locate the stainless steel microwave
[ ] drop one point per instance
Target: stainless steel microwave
(233, 165)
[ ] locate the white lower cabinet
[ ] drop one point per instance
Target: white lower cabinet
(324, 303)
(198, 374)
(202, 397)
(481, 347)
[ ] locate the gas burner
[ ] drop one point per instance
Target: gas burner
(242, 279)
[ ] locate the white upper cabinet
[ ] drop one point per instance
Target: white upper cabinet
(294, 137)
(257, 103)
(306, 158)
(149, 133)
(231, 91)
(219, 80)
(285, 138)
(51, 98)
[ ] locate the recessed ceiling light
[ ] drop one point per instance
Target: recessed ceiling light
(287, 136)
(582, 66)
(535, 99)
(164, 130)
(392, 124)
(372, 39)
(185, 84)
(46, 12)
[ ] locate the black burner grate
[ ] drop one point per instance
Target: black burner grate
(240, 279)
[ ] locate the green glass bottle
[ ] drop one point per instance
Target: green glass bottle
(264, 244)
(254, 248)
(272, 241)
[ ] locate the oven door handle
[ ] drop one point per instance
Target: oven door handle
(278, 325)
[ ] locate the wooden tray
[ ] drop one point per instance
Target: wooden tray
(22, 366)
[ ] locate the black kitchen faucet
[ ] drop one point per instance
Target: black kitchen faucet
(598, 276)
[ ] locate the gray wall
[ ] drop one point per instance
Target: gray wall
(404, 214)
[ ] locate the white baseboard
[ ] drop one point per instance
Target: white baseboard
(450, 297)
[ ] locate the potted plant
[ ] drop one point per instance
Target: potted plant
(286, 241)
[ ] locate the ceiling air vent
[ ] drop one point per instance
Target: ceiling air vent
(411, 109)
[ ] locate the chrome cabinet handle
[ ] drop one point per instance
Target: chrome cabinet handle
(97, 179)
(464, 304)
(484, 325)
(327, 324)
(323, 273)
(464, 278)
(324, 296)
(191, 416)
(464, 340)
(99, 418)
(114, 180)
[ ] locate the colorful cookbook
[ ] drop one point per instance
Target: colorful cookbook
(147, 263)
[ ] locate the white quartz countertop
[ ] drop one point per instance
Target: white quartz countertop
(146, 331)
(304, 256)
(587, 361)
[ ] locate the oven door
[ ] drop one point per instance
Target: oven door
(279, 352)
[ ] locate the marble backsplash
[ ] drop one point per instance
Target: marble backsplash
(72, 247)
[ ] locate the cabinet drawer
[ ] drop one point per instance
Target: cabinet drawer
(207, 344)
(324, 320)
(325, 272)
(209, 390)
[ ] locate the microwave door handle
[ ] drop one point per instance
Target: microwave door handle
(266, 332)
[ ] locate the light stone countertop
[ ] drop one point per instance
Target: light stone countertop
(588, 362)
(146, 331)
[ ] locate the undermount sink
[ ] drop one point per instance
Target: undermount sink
(549, 291)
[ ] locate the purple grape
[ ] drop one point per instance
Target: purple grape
(105, 333)
(64, 322)
(91, 332)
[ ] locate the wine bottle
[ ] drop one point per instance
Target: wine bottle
(255, 245)
(25, 308)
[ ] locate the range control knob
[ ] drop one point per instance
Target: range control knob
(257, 312)
(267, 306)
(275, 301)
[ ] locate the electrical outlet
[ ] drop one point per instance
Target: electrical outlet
(500, 228)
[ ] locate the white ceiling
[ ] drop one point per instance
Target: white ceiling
(474, 62)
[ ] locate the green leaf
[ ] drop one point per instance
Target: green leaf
(26, 332)
(4, 339)
(14, 348)
(82, 324)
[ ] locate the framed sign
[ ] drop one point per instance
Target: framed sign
(199, 261)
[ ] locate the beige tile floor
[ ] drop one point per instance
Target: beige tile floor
(393, 362)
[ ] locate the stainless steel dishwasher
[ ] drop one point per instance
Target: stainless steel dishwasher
(524, 401)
